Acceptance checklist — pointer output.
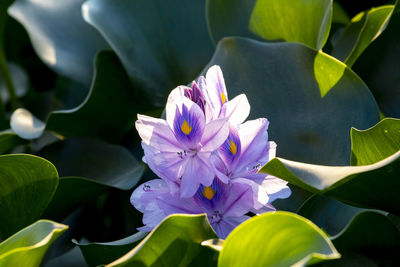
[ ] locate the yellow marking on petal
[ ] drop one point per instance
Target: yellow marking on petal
(223, 98)
(186, 129)
(208, 192)
(233, 147)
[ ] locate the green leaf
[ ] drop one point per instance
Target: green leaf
(306, 21)
(9, 140)
(175, 242)
(162, 44)
(378, 66)
(110, 165)
(229, 18)
(109, 110)
(102, 253)
(376, 143)
(361, 32)
(72, 192)
(329, 214)
(371, 234)
(339, 14)
(276, 239)
(284, 90)
(356, 186)
(70, 53)
(27, 186)
(27, 247)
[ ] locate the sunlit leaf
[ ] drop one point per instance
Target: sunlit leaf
(175, 242)
(59, 44)
(284, 90)
(306, 21)
(27, 247)
(276, 239)
(375, 144)
(27, 186)
(162, 44)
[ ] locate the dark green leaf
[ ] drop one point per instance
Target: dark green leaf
(106, 164)
(276, 239)
(329, 214)
(175, 242)
(162, 44)
(109, 110)
(378, 67)
(375, 144)
(27, 186)
(306, 21)
(9, 140)
(284, 89)
(102, 253)
(356, 186)
(59, 44)
(27, 247)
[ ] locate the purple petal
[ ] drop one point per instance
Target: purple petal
(239, 200)
(175, 99)
(189, 123)
(237, 110)
(175, 204)
(276, 188)
(227, 224)
(215, 94)
(144, 196)
(255, 146)
(215, 134)
(230, 149)
(167, 165)
(157, 133)
(260, 195)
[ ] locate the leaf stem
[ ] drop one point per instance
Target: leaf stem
(5, 74)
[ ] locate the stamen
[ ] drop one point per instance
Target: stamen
(186, 129)
(208, 192)
(233, 147)
(223, 98)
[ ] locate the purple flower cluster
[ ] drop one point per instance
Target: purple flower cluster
(207, 158)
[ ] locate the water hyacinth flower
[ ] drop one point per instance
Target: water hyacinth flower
(178, 149)
(226, 205)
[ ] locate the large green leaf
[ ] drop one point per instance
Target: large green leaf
(276, 239)
(378, 66)
(285, 90)
(329, 214)
(175, 242)
(376, 143)
(111, 165)
(161, 43)
(303, 21)
(27, 247)
(361, 32)
(109, 110)
(27, 186)
(102, 253)
(371, 234)
(357, 186)
(59, 44)
(72, 192)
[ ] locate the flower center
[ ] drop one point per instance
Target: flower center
(233, 147)
(185, 127)
(223, 98)
(216, 217)
(208, 192)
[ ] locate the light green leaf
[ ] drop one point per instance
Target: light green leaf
(162, 44)
(361, 32)
(329, 214)
(304, 21)
(175, 242)
(356, 186)
(59, 44)
(102, 253)
(110, 165)
(276, 239)
(375, 144)
(284, 90)
(109, 110)
(27, 247)
(27, 186)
